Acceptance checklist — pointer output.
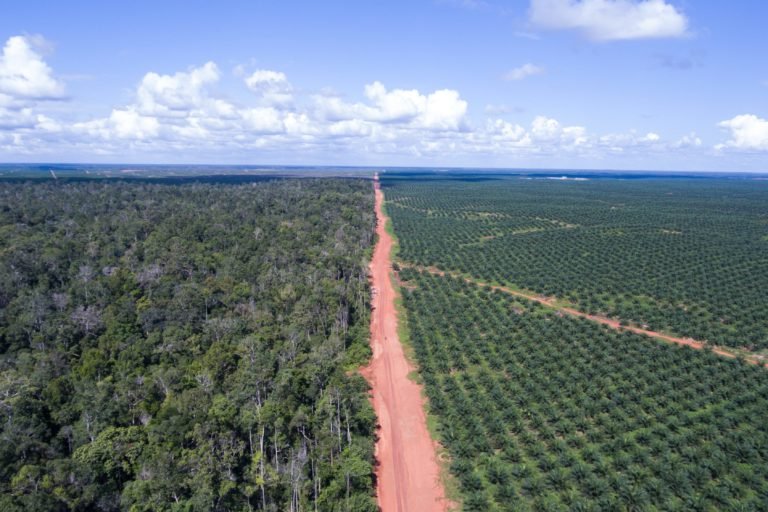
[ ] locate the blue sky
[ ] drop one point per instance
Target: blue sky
(609, 84)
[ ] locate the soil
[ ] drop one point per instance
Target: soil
(610, 322)
(407, 472)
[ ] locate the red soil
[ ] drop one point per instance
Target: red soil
(614, 324)
(408, 475)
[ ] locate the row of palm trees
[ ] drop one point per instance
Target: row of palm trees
(541, 412)
(686, 259)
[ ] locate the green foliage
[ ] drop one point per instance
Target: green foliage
(185, 346)
(546, 412)
(685, 256)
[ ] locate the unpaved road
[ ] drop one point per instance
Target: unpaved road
(614, 324)
(408, 475)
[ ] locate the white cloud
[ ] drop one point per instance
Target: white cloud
(182, 113)
(16, 118)
(440, 110)
(501, 132)
(177, 94)
(544, 136)
(688, 141)
(131, 124)
(748, 132)
(523, 71)
(351, 128)
(26, 84)
(445, 110)
(605, 20)
(24, 75)
(546, 129)
(182, 110)
(263, 120)
(121, 124)
(396, 106)
(272, 87)
(178, 107)
(651, 137)
(632, 141)
(46, 124)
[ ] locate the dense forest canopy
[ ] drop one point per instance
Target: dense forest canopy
(686, 256)
(185, 346)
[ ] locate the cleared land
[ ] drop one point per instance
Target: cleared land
(537, 312)
(547, 412)
(408, 475)
(614, 324)
(684, 257)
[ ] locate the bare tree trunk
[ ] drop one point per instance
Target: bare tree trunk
(293, 487)
(338, 417)
(261, 470)
(349, 434)
(277, 452)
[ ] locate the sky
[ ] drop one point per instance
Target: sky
(577, 84)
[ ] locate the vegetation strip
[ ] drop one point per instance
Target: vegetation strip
(614, 324)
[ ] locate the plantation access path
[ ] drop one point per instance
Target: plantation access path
(408, 474)
(614, 324)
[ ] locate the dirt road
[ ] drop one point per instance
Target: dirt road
(408, 475)
(614, 324)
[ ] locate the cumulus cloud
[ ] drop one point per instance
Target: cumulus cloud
(121, 124)
(177, 94)
(24, 75)
(523, 71)
(16, 118)
(181, 108)
(545, 135)
(747, 131)
(500, 133)
(605, 20)
(263, 120)
(620, 143)
(689, 141)
(651, 137)
(545, 128)
(548, 129)
(272, 87)
(26, 83)
(183, 113)
(172, 106)
(440, 110)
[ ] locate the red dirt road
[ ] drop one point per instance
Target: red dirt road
(408, 475)
(614, 324)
